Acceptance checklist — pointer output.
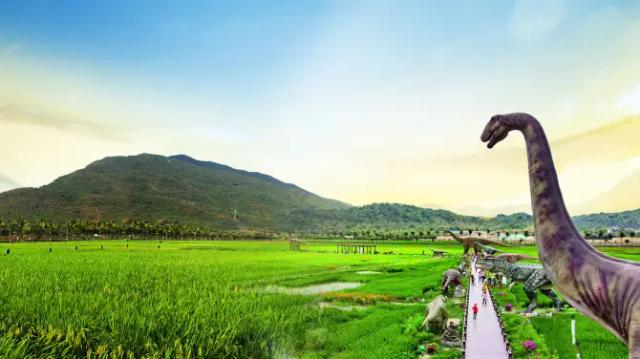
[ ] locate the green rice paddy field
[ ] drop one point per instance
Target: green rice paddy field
(243, 299)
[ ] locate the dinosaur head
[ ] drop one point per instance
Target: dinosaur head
(500, 125)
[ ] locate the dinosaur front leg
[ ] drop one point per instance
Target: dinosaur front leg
(445, 286)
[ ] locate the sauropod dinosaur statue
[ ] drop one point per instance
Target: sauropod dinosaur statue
(513, 257)
(478, 244)
(604, 288)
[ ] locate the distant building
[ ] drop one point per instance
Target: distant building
(612, 230)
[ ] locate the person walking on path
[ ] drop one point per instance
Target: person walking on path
(475, 310)
(473, 279)
(484, 299)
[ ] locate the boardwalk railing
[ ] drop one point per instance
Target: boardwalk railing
(466, 314)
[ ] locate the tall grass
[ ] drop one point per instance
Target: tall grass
(96, 304)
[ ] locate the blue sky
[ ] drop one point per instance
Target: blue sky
(358, 100)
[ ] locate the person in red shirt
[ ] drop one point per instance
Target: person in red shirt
(475, 310)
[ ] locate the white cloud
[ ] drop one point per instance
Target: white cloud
(534, 19)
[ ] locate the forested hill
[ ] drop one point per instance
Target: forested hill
(394, 215)
(180, 189)
(626, 219)
(158, 188)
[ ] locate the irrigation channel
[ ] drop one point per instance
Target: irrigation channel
(483, 336)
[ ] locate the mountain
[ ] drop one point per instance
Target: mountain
(395, 215)
(185, 190)
(626, 219)
(151, 187)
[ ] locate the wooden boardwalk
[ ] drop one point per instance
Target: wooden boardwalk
(484, 335)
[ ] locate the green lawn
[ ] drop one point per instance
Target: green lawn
(210, 299)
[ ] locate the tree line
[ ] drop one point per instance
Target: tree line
(21, 229)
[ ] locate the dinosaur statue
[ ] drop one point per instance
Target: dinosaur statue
(604, 288)
(450, 277)
(436, 315)
(478, 244)
(462, 267)
(513, 257)
(534, 278)
(294, 244)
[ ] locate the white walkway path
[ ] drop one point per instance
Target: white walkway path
(484, 336)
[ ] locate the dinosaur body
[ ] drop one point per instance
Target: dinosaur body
(478, 244)
(534, 278)
(450, 277)
(604, 288)
(513, 257)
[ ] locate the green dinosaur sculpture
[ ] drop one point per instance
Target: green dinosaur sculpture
(533, 276)
(478, 244)
(605, 288)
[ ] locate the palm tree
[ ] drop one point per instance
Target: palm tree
(21, 227)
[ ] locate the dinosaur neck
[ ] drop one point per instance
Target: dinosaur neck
(556, 236)
(458, 239)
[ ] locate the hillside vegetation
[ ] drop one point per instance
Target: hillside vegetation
(183, 190)
(394, 215)
(156, 188)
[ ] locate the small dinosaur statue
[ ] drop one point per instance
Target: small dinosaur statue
(294, 244)
(478, 244)
(533, 276)
(513, 257)
(436, 315)
(450, 277)
(604, 288)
